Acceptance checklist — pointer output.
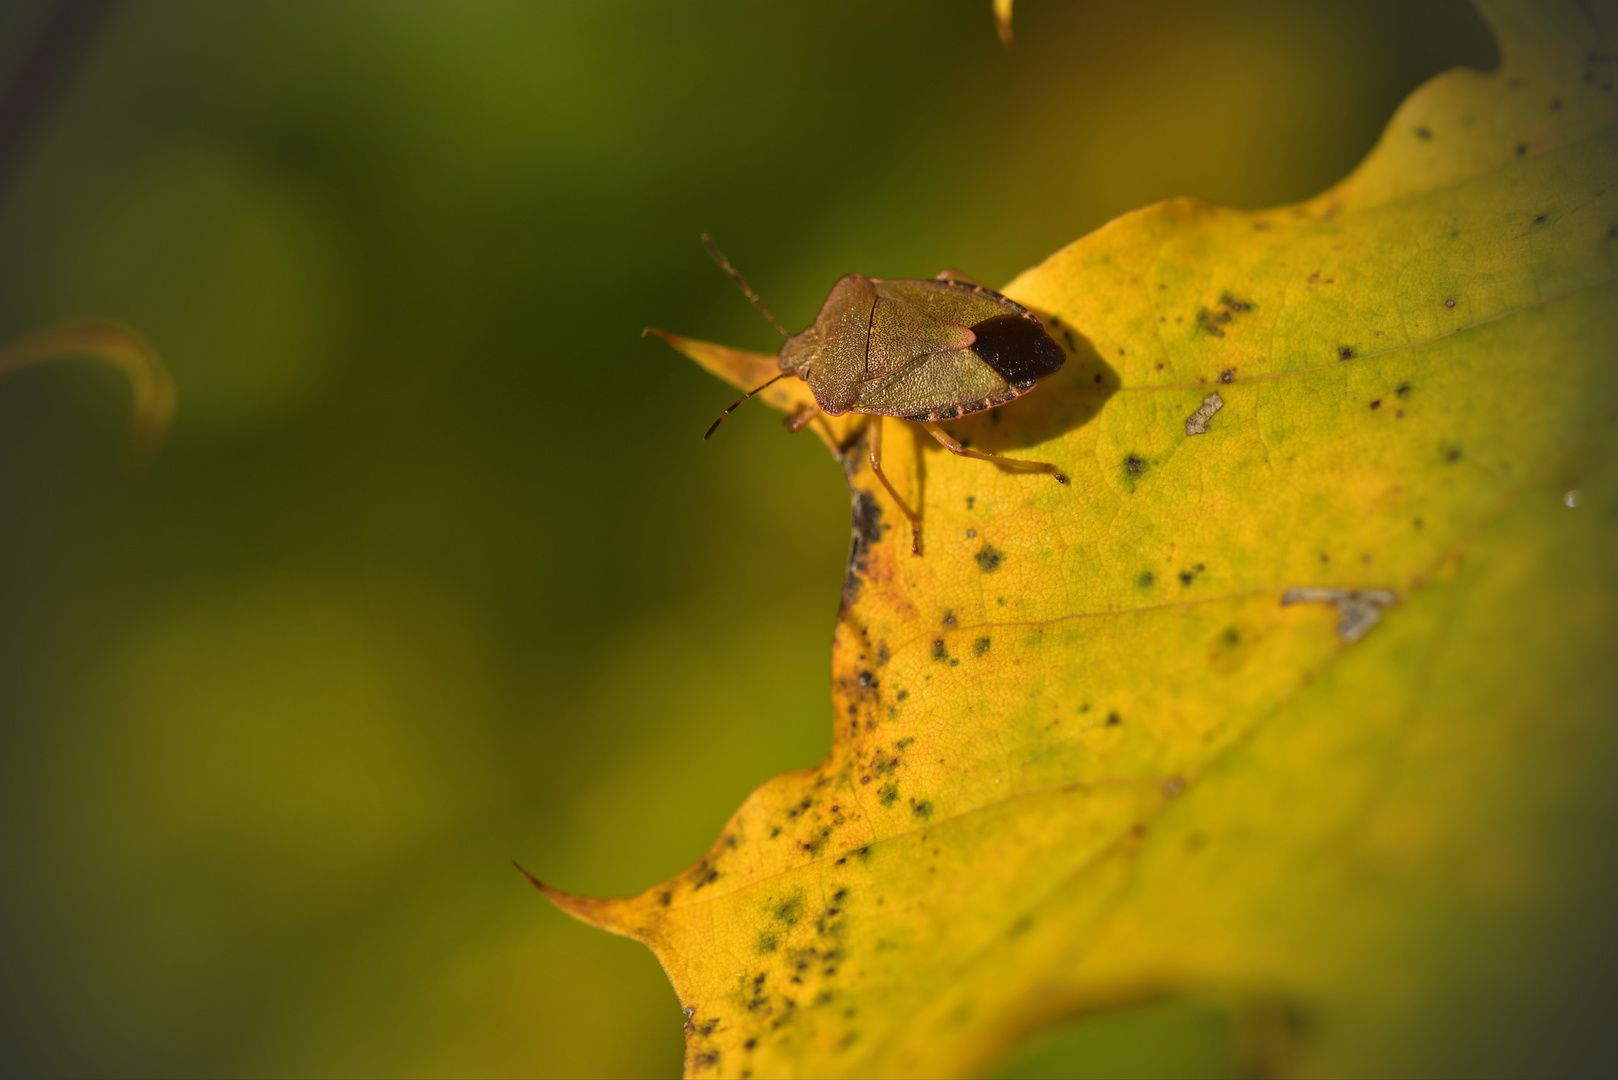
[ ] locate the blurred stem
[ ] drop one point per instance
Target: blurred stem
(116, 345)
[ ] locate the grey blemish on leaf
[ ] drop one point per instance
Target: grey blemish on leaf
(1358, 610)
(1197, 422)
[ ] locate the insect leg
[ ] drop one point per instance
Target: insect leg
(876, 467)
(949, 274)
(1011, 463)
(800, 419)
(807, 415)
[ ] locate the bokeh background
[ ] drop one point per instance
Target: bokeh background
(435, 570)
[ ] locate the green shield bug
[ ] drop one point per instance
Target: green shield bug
(912, 350)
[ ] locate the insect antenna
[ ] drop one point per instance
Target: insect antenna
(715, 425)
(724, 263)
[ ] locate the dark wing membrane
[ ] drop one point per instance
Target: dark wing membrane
(1018, 348)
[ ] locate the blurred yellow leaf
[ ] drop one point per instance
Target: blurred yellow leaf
(1002, 20)
(1278, 703)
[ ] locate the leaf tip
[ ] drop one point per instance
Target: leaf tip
(605, 914)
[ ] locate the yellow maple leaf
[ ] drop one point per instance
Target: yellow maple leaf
(1273, 703)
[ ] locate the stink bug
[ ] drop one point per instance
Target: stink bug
(913, 350)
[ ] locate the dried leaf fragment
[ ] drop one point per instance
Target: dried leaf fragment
(1359, 609)
(1197, 422)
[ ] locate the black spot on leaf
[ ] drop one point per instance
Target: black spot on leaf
(867, 531)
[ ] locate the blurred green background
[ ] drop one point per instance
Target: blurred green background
(435, 570)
